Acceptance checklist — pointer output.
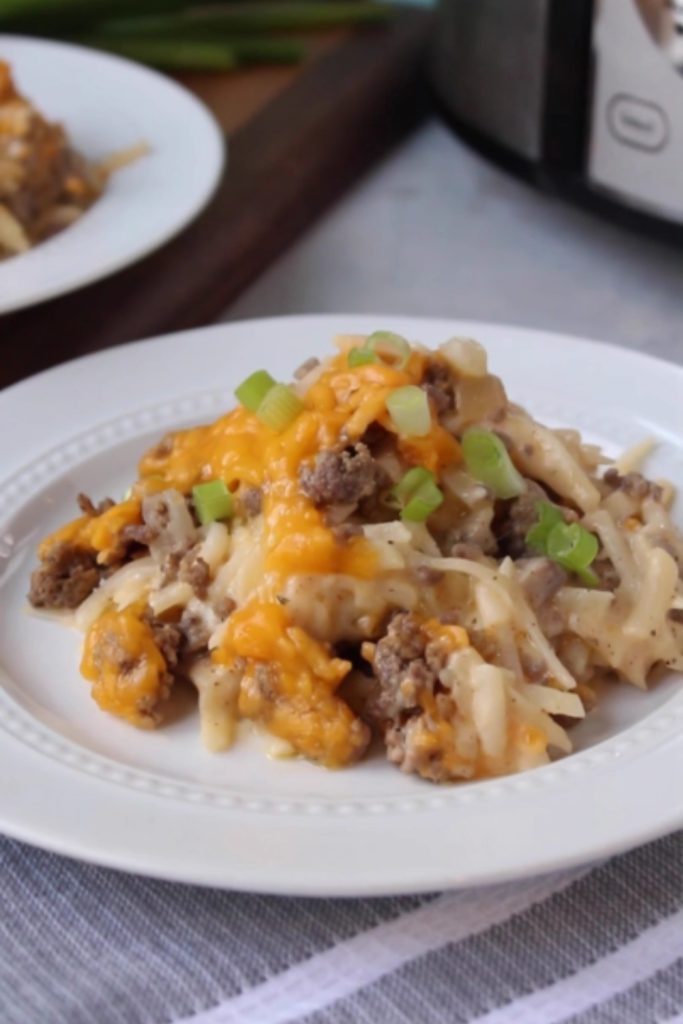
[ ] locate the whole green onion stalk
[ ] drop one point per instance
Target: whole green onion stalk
(61, 15)
(248, 18)
(197, 54)
(179, 35)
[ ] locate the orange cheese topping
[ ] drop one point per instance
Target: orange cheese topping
(437, 737)
(96, 533)
(299, 704)
(296, 701)
(125, 666)
(338, 407)
(452, 637)
(435, 451)
(529, 736)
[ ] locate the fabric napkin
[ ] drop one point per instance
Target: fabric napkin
(599, 945)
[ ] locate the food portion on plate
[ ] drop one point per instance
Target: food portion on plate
(386, 546)
(45, 184)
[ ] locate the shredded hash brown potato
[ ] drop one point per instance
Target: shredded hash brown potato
(363, 575)
(45, 185)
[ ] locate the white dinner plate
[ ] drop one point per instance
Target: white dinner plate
(78, 781)
(107, 105)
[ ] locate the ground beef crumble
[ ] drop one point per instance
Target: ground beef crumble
(401, 667)
(139, 533)
(163, 448)
(514, 519)
(224, 606)
(252, 500)
(633, 484)
(195, 571)
(187, 566)
(195, 631)
(439, 385)
(340, 478)
(65, 577)
(608, 577)
(167, 636)
(410, 706)
(541, 579)
(88, 507)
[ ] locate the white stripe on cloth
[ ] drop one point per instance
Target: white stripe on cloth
(357, 962)
(653, 950)
(678, 1019)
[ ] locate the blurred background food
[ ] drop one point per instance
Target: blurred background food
(582, 99)
(341, 84)
(189, 35)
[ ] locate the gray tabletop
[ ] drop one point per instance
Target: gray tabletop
(436, 231)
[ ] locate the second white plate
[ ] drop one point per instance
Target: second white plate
(108, 105)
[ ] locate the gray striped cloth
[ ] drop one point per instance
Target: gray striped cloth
(85, 945)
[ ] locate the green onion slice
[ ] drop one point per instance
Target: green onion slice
(425, 500)
(569, 544)
(487, 460)
(416, 494)
(254, 389)
(574, 548)
(361, 357)
(212, 501)
(279, 408)
(411, 481)
(391, 348)
(548, 517)
(409, 411)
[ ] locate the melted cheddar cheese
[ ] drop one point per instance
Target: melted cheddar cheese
(100, 533)
(296, 698)
(338, 409)
(125, 666)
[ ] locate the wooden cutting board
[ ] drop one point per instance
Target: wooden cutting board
(297, 138)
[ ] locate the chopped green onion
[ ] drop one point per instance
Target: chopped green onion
(574, 548)
(416, 494)
(361, 357)
(411, 481)
(569, 544)
(381, 347)
(409, 411)
(548, 517)
(487, 460)
(425, 500)
(212, 501)
(254, 389)
(391, 348)
(170, 54)
(279, 408)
